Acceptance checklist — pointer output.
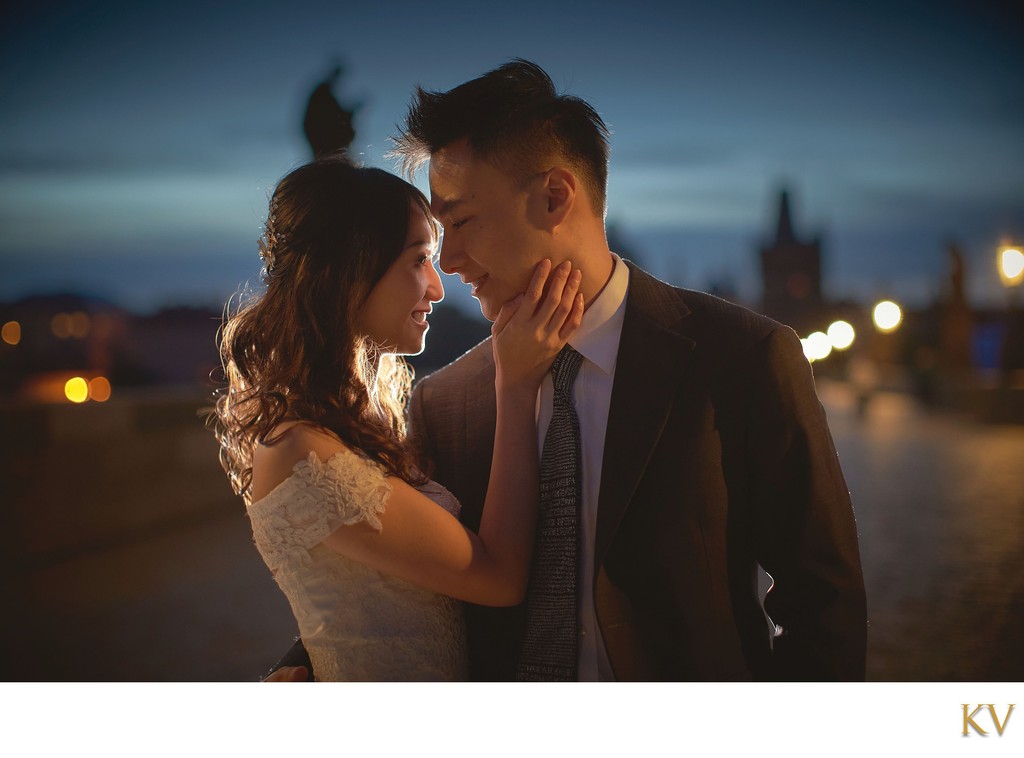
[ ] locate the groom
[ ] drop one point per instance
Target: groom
(704, 450)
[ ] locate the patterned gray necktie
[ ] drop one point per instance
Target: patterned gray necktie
(549, 646)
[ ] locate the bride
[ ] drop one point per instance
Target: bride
(368, 550)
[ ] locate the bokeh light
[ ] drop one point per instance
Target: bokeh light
(887, 316)
(76, 390)
(11, 333)
(60, 325)
(99, 389)
(79, 324)
(66, 325)
(841, 335)
(817, 346)
(1011, 266)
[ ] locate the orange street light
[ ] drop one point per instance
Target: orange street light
(11, 332)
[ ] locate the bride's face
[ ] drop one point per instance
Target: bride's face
(395, 313)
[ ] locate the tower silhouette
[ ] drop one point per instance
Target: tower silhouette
(791, 273)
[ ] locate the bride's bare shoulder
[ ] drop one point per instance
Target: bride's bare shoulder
(287, 444)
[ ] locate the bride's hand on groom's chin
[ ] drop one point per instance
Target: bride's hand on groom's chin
(531, 328)
(289, 674)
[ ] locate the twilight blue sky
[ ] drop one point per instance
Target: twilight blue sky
(139, 140)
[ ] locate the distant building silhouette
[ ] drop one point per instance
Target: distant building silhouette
(791, 270)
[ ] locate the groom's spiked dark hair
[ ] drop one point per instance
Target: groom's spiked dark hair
(514, 118)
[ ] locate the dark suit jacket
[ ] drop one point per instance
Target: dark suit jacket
(718, 458)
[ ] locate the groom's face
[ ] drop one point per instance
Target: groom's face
(492, 237)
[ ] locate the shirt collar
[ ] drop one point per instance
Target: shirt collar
(597, 339)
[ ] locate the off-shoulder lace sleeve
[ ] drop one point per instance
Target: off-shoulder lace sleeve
(317, 498)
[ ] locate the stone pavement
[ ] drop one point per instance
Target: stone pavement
(126, 555)
(939, 500)
(127, 558)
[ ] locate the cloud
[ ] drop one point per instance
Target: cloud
(88, 211)
(222, 147)
(672, 154)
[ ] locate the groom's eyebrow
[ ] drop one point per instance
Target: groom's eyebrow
(448, 206)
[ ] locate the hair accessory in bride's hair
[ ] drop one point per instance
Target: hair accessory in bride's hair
(270, 244)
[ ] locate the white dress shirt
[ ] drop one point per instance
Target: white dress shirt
(597, 340)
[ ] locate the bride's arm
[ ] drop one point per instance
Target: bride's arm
(424, 544)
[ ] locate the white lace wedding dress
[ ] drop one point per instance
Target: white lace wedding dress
(357, 623)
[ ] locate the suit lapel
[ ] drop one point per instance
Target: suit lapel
(651, 361)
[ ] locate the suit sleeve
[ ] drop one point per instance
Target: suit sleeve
(419, 434)
(806, 535)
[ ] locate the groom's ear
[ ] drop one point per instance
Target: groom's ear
(559, 192)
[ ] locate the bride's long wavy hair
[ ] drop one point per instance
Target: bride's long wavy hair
(295, 351)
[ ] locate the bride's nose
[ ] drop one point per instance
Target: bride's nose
(435, 290)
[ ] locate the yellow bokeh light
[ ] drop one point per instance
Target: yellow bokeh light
(1011, 266)
(99, 389)
(887, 316)
(11, 333)
(76, 390)
(841, 335)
